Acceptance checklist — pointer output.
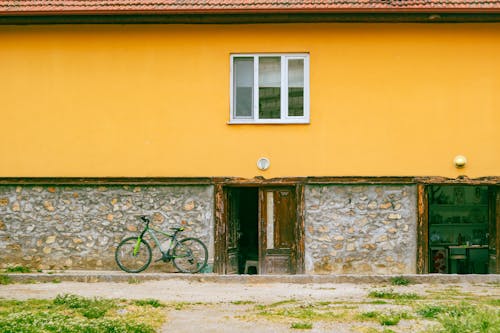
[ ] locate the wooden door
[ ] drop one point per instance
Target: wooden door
(232, 231)
(277, 231)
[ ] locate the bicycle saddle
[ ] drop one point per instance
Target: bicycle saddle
(177, 228)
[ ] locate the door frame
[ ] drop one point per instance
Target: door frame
(221, 220)
(423, 218)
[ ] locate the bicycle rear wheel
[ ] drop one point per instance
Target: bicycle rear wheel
(130, 262)
(190, 255)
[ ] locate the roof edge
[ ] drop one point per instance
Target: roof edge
(361, 10)
(254, 18)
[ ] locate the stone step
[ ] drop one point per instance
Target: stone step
(118, 276)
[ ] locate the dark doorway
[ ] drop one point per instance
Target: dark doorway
(242, 230)
(249, 240)
(462, 229)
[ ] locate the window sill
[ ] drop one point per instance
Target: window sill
(269, 121)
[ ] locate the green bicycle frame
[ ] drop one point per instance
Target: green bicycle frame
(152, 233)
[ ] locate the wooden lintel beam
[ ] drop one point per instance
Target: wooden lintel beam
(256, 181)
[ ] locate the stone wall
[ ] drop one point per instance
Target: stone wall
(361, 229)
(78, 227)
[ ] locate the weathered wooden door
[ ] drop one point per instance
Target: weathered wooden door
(277, 230)
(232, 232)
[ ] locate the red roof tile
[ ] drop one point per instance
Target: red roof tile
(27, 7)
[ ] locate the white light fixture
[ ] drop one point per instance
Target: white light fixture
(263, 163)
(460, 161)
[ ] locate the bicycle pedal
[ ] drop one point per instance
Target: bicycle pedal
(164, 259)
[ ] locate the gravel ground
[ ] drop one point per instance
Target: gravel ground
(229, 307)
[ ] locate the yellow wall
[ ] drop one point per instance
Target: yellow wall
(153, 100)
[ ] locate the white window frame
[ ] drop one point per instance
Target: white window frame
(284, 119)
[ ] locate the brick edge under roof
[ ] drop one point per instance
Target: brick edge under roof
(68, 7)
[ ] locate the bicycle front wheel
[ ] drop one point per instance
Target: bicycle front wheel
(190, 255)
(132, 262)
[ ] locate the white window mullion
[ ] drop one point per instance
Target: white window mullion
(256, 88)
(284, 88)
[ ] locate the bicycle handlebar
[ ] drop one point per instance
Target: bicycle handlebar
(145, 219)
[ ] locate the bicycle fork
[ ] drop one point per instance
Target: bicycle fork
(137, 245)
(139, 240)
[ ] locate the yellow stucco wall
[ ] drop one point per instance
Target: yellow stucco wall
(153, 100)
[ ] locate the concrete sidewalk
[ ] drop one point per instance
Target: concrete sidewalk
(119, 276)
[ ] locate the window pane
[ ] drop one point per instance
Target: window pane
(243, 87)
(269, 87)
(296, 87)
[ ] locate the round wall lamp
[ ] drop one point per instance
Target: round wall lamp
(263, 163)
(460, 161)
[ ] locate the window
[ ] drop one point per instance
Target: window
(269, 88)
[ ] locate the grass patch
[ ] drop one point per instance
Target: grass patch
(150, 301)
(18, 269)
(302, 326)
(75, 314)
(180, 305)
(28, 322)
(463, 317)
(372, 330)
(30, 281)
(242, 302)
(389, 320)
(5, 279)
(430, 311)
(390, 294)
(134, 281)
(89, 308)
(280, 303)
(379, 301)
(399, 281)
(369, 314)
(384, 319)
(392, 318)
(494, 302)
(307, 312)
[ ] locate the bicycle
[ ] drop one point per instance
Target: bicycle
(133, 254)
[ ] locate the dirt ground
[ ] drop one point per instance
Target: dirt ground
(229, 307)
